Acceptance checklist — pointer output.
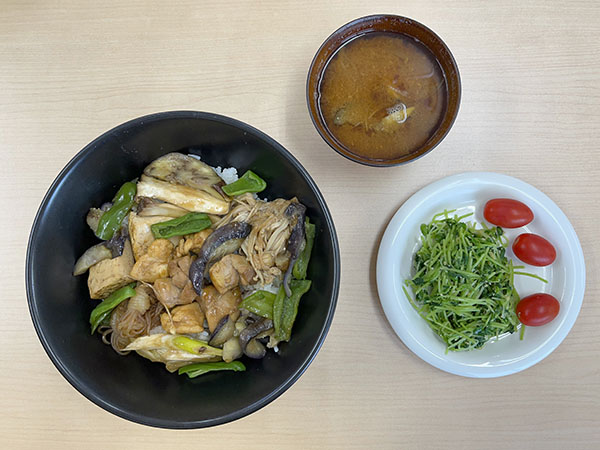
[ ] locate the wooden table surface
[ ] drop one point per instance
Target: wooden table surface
(70, 70)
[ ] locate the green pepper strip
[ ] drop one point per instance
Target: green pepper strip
(278, 309)
(194, 370)
(249, 182)
(103, 310)
(301, 265)
(190, 223)
(111, 219)
(290, 309)
(260, 303)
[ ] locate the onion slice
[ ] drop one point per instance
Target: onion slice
(92, 255)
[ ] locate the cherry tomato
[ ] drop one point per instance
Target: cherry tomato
(537, 309)
(533, 249)
(507, 213)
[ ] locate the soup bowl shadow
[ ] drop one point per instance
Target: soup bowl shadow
(384, 24)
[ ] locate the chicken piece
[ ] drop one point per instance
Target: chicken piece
(188, 293)
(185, 262)
(230, 271)
(178, 276)
(161, 249)
(111, 274)
(179, 270)
(154, 264)
(243, 267)
(184, 319)
(166, 292)
(223, 275)
(192, 243)
(216, 306)
(141, 234)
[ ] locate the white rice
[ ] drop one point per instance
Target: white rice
(204, 336)
(227, 174)
(270, 288)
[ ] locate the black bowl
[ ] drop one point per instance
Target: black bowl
(131, 386)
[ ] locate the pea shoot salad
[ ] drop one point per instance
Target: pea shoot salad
(463, 283)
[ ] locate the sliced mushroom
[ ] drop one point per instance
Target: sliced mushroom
(223, 241)
(296, 242)
(248, 338)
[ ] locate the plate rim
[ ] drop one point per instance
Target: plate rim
(417, 347)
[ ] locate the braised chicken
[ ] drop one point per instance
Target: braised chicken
(231, 271)
(183, 319)
(188, 266)
(216, 305)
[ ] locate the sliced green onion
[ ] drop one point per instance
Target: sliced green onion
(195, 370)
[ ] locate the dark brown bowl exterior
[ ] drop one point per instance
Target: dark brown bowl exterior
(131, 386)
(392, 24)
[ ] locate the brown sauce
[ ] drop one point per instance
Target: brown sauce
(382, 95)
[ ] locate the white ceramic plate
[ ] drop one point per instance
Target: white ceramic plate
(468, 192)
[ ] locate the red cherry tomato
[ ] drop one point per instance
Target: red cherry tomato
(537, 309)
(507, 213)
(533, 249)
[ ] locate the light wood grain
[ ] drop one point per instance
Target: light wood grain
(531, 108)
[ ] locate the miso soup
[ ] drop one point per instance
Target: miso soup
(382, 95)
